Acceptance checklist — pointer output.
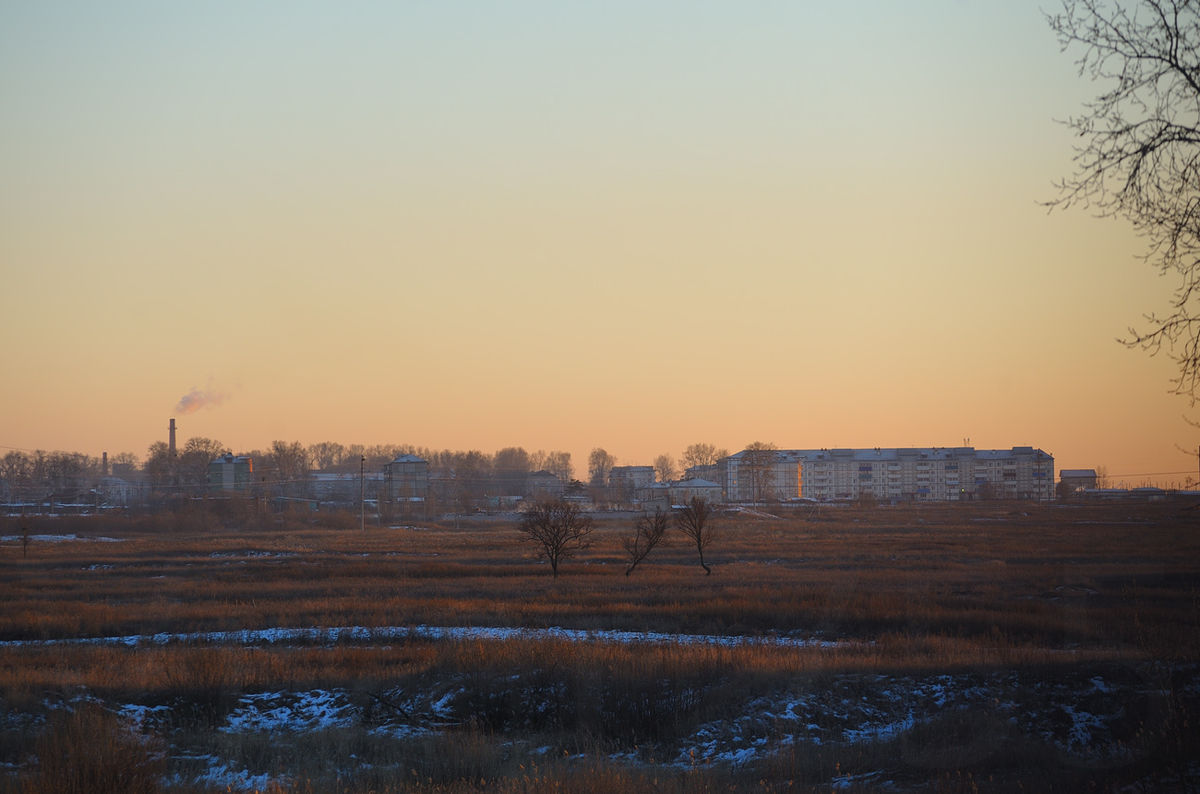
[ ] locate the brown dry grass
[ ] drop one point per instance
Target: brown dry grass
(89, 751)
(1047, 576)
(916, 588)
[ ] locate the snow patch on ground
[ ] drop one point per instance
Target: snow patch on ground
(1084, 725)
(871, 779)
(442, 707)
(869, 732)
(292, 712)
(56, 539)
(216, 773)
(273, 636)
(1082, 713)
(137, 715)
(851, 710)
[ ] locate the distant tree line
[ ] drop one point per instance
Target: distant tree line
(459, 479)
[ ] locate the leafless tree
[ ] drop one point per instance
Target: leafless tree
(125, 459)
(193, 461)
(158, 463)
(759, 461)
(1139, 151)
(465, 475)
(289, 461)
(325, 455)
(556, 462)
(16, 466)
(559, 464)
(600, 463)
(695, 521)
(648, 532)
(65, 470)
(702, 455)
(664, 468)
(510, 467)
(558, 528)
(511, 459)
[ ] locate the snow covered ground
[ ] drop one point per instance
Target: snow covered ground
(1081, 715)
(291, 712)
(370, 634)
(1089, 717)
(213, 772)
(55, 539)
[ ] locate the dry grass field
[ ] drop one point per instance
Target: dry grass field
(988, 647)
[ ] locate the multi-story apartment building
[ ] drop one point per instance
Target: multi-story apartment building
(630, 476)
(936, 474)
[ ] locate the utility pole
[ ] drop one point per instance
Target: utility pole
(362, 493)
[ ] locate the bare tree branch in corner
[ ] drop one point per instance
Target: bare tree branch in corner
(1139, 158)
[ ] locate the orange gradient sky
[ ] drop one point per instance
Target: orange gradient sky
(627, 225)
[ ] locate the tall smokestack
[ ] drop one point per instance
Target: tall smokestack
(172, 444)
(103, 464)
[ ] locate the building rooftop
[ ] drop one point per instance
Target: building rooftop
(409, 459)
(896, 453)
(231, 458)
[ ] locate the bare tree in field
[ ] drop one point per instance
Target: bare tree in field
(1138, 155)
(648, 531)
(559, 529)
(695, 521)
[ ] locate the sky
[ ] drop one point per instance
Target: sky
(561, 225)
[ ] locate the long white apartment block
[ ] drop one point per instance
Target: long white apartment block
(933, 474)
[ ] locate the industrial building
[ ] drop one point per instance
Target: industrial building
(1074, 480)
(228, 472)
(405, 488)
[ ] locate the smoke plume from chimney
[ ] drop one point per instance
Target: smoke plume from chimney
(196, 399)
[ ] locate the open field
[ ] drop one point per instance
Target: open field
(962, 647)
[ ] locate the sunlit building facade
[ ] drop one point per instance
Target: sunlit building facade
(932, 474)
(231, 473)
